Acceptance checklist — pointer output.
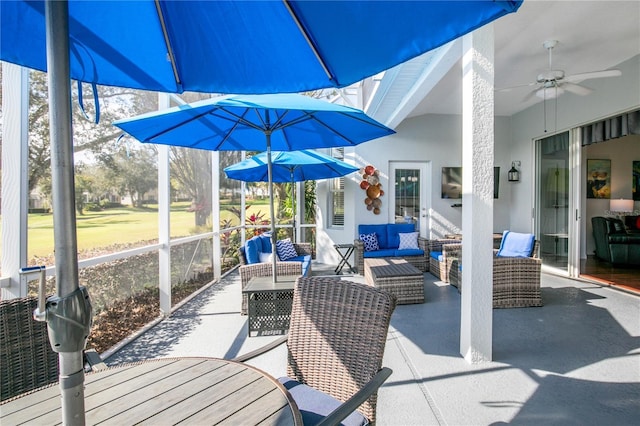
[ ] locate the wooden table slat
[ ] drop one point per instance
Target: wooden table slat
(138, 405)
(232, 402)
(274, 400)
(200, 395)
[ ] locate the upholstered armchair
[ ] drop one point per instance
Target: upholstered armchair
(614, 242)
(516, 279)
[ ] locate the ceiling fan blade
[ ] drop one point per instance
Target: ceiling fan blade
(576, 89)
(576, 78)
(508, 89)
(529, 95)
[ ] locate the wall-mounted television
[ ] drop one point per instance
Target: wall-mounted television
(452, 182)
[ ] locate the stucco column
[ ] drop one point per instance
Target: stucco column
(477, 199)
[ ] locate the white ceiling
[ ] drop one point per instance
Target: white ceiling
(592, 35)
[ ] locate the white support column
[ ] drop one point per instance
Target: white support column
(243, 206)
(164, 222)
(15, 181)
(299, 187)
(477, 199)
(215, 214)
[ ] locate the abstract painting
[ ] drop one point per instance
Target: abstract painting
(599, 179)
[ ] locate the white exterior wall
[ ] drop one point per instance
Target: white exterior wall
(434, 138)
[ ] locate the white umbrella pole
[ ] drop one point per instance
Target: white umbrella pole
(68, 314)
(271, 209)
(293, 205)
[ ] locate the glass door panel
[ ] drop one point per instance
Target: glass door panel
(407, 194)
(552, 200)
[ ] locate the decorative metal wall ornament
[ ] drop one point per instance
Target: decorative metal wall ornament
(371, 185)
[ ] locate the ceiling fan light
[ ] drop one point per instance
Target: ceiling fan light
(549, 92)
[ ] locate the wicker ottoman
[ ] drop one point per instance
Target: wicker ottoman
(398, 277)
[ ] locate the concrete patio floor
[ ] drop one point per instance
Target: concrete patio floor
(574, 361)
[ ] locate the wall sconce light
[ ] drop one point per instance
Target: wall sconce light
(514, 175)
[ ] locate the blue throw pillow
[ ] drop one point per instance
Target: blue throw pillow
(515, 244)
(252, 251)
(265, 239)
(370, 241)
(285, 249)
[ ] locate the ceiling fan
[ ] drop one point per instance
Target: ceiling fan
(553, 83)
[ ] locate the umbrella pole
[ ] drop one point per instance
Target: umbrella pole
(271, 209)
(68, 314)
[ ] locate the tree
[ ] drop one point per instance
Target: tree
(191, 170)
(84, 185)
(132, 170)
(115, 103)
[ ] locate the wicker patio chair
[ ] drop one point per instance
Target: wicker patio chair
(446, 250)
(248, 271)
(26, 359)
(336, 342)
(516, 280)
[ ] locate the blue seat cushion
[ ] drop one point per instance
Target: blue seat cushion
(515, 244)
(393, 229)
(315, 405)
(379, 253)
(306, 262)
(437, 255)
(408, 252)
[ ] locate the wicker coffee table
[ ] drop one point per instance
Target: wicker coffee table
(397, 276)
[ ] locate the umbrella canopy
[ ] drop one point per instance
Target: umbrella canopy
(292, 166)
(240, 46)
(283, 122)
(240, 123)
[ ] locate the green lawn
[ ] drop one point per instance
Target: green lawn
(122, 225)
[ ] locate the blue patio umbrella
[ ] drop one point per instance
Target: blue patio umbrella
(240, 46)
(205, 46)
(280, 122)
(289, 166)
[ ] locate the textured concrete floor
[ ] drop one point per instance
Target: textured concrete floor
(575, 361)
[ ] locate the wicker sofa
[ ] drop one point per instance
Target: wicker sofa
(516, 280)
(300, 265)
(389, 240)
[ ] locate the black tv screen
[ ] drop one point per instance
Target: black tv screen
(452, 182)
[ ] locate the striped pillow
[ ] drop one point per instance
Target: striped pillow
(285, 249)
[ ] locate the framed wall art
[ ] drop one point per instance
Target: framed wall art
(599, 179)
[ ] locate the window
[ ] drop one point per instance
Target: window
(336, 194)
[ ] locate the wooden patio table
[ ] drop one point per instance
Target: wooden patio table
(167, 391)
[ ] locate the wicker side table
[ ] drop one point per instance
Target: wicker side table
(269, 304)
(397, 276)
